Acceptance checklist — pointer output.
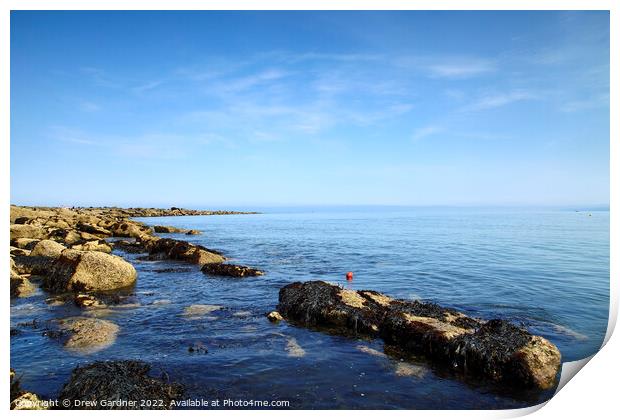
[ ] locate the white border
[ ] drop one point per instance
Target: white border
(596, 385)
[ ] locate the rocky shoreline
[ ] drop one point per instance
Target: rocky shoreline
(67, 253)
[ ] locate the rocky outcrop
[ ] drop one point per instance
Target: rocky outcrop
(230, 270)
(89, 270)
(172, 229)
(165, 248)
(100, 245)
(126, 381)
(495, 350)
(130, 229)
(28, 231)
(47, 248)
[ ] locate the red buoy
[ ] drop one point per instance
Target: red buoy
(350, 276)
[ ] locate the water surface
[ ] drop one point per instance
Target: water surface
(547, 270)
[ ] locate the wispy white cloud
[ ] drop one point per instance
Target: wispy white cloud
(147, 86)
(496, 100)
(69, 135)
(426, 131)
(100, 77)
(461, 69)
(596, 101)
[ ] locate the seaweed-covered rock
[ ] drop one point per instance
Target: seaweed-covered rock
(169, 229)
(322, 304)
(126, 381)
(21, 286)
(89, 270)
(25, 243)
(495, 350)
(29, 264)
(166, 248)
(47, 248)
(230, 270)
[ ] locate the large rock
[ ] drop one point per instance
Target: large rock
(130, 230)
(495, 350)
(165, 248)
(95, 230)
(169, 229)
(230, 270)
(47, 248)
(127, 381)
(28, 231)
(89, 270)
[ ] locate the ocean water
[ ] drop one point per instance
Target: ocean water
(547, 270)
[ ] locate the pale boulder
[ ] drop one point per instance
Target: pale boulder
(89, 270)
(47, 248)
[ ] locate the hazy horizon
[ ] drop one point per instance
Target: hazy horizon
(277, 109)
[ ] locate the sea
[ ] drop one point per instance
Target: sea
(546, 270)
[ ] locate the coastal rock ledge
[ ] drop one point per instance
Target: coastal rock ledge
(495, 350)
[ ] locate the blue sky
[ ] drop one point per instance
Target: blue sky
(225, 109)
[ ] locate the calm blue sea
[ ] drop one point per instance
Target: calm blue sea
(547, 270)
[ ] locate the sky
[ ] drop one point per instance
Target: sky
(229, 109)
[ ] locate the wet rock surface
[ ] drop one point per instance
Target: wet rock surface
(495, 349)
(230, 270)
(88, 335)
(126, 380)
(172, 229)
(21, 399)
(89, 270)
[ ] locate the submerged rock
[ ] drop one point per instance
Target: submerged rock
(230, 270)
(293, 349)
(196, 311)
(89, 270)
(88, 335)
(495, 350)
(127, 381)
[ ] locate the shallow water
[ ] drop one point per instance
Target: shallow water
(547, 270)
